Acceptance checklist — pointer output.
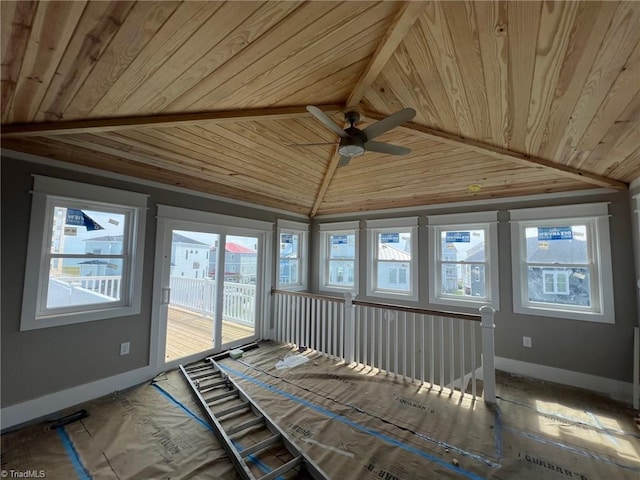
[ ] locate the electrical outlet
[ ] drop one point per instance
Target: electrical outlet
(526, 342)
(124, 348)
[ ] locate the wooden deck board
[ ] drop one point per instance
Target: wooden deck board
(189, 333)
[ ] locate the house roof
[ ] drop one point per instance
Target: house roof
(178, 238)
(567, 251)
(105, 238)
(231, 247)
(389, 252)
(511, 98)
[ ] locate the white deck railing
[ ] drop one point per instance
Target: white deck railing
(108, 285)
(199, 295)
(443, 349)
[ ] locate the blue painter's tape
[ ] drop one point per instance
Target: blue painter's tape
(346, 421)
(252, 458)
(497, 431)
(189, 412)
(600, 426)
(474, 456)
(81, 470)
(574, 421)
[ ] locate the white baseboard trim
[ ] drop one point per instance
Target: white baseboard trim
(39, 407)
(615, 389)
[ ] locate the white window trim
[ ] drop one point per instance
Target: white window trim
(390, 225)
(596, 217)
(487, 221)
(346, 228)
(46, 190)
(295, 228)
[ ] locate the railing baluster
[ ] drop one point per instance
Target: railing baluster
(451, 353)
(462, 369)
(342, 331)
(432, 353)
(421, 349)
(404, 345)
(473, 360)
(365, 328)
(380, 356)
(441, 325)
(396, 343)
(388, 346)
(413, 347)
(356, 340)
(313, 323)
(334, 332)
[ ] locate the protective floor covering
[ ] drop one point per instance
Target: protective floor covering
(354, 422)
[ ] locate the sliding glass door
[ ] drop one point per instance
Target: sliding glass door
(210, 288)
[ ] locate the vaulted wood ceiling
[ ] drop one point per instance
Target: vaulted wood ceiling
(514, 98)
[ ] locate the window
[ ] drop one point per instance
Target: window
(463, 253)
(392, 261)
(555, 282)
(339, 256)
(83, 254)
(561, 260)
(292, 237)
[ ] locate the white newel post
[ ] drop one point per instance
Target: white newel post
(349, 328)
(488, 354)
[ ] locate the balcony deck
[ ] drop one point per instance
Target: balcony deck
(189, 333)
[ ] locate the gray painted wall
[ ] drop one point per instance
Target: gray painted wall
(39, 362)
(587, 347)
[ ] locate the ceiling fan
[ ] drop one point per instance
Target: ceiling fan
(355, 142)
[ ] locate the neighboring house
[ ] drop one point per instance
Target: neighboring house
(449, 271)
(476, 278)
(393, 268)
(342, 262)
(103, 245)
(552, 282)
(189, 257)
(240, 263)
(289, 262)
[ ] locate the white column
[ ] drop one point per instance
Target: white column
(488, 354)
(349, 328)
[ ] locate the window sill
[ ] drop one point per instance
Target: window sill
(606, 318)
(454, 302)
(58, 320)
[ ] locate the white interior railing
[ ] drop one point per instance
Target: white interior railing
(313, 321)
(443, 349)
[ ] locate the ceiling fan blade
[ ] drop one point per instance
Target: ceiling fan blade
(330, 124)
(386, 124)
(381, 147)
(344, 161)
(310, 144)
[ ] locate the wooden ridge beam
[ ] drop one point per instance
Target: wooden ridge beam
(400, 26)
(328, 176)
(503, 154)
(169, 120)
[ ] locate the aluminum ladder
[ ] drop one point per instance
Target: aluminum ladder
(236, 419)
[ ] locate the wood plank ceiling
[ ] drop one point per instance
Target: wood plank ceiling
(514, 98)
